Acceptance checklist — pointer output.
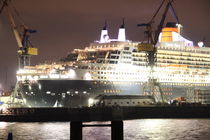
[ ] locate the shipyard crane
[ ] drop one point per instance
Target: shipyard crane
(150, 46)
(25, 49)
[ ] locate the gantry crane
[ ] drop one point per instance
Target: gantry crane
(25, 48)
(150, 46)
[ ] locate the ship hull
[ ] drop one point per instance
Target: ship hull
(75, 93)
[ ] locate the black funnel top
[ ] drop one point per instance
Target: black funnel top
(123, 24)
(171, 24)
(105, 26)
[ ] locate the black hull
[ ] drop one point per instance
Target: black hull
(75, 93)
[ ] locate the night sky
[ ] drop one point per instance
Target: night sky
(63, 25)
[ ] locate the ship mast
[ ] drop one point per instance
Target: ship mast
(25, 49)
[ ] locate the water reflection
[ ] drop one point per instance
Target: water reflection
(167, 129)
(37, 131)
(97, 133)
(144, 129)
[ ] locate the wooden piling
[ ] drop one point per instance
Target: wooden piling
(76, 130)
(117, 130)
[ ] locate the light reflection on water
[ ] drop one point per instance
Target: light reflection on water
(144, 129)
(168, 129)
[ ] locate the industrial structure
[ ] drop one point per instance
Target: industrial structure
(150, 46)
(22, 34)
(25, 49)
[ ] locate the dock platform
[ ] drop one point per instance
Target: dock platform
(87, 114)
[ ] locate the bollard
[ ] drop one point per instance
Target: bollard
(10, 137)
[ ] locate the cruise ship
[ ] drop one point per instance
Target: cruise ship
(117, 67)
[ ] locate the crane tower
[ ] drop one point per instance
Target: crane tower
(22, 34)
(150, 48)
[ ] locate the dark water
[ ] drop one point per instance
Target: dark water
(145, 129)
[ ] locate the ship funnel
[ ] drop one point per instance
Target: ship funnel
(104, 34)
(170, 35)
(121, 33)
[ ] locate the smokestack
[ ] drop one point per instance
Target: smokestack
(121, 33)
(104, 34)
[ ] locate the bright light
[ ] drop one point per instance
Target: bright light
(36, 78)
(29, 77)
(43, 76)
(87, 76)
(3, 124)
(71, 73)
(64, 76)
(55, 76)
(90, 102)
(21, 71)
(153, 123)
(200, 44)
(40, 86)
(53, 71)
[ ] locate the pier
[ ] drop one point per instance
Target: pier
(87, 114)
(116, 115)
